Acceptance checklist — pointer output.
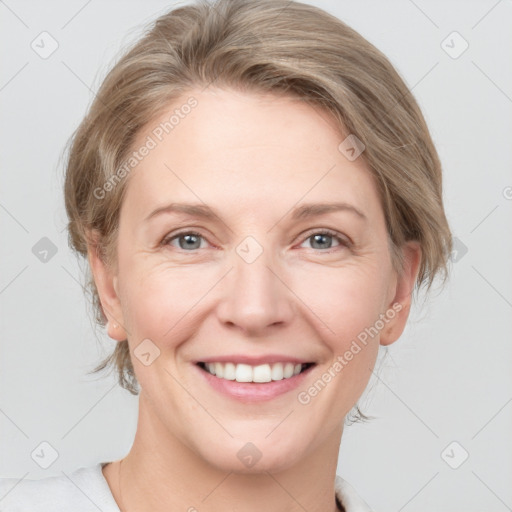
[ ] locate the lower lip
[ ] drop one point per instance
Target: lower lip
(253, 391)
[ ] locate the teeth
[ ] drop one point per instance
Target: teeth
(262, 373)
(288, 370)
(243, 373)
(219, 370)
(277, 372)
(229, 371)
(248, 373)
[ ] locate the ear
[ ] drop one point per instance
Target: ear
(106, 283)
(402, 293)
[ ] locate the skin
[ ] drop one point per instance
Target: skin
(253, 158)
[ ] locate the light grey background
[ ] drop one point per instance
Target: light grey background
(447, 379)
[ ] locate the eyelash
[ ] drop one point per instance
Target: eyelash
(342, 241)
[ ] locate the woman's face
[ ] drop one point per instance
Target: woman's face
(230, 259)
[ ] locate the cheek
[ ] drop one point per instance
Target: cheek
(162, 305)
(345, 301)
(160, 301)
(165, 302)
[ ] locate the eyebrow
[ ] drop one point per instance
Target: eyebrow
(315, 210)
(302, 212)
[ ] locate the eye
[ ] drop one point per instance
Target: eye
(187, 240)
(323, 239)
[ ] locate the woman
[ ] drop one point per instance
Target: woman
(258, 197)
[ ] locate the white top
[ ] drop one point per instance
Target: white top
(86, 489)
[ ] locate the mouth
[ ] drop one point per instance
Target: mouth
(259, 374)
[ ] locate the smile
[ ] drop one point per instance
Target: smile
(248, 373)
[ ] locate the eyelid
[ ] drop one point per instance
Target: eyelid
(166, 241)
(343, 239)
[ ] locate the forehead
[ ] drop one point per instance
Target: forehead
(234, 149)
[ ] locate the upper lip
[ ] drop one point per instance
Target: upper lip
(254, 360)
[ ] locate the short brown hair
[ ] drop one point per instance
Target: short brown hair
(273, 46)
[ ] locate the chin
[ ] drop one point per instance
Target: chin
(252, 457)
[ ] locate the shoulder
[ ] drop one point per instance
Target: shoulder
(349, 497)
(85, 488)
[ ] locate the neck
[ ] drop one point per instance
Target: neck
(160, 473)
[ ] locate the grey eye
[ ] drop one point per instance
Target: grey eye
(186, 241)
(324, 240)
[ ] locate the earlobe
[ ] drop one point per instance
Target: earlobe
(115, 331)
(401, 302)
(107, 285)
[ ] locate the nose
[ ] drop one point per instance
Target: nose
(255, 296)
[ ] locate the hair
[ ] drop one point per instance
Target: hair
(261, 46)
